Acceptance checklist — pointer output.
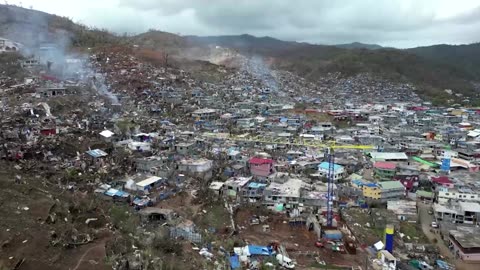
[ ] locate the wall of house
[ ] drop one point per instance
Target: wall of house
(183, 150)
(195, 167)
(457, 252)
(337, 175)
(262, 170)
(372, 192)
(384, 175)
(392, 193)
(444, 196)
(254, 192)
(408, 182)
(275, 199)
(8, 46)
(146, 165)
(313, 202)
(450, 217)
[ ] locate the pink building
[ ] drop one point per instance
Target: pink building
(443, 181)
(261, 167)
(465, 245)
(408, 181)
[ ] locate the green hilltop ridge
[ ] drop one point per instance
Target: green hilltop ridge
(432, 69)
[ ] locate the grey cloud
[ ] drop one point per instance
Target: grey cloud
(390, 23)
(471, 16)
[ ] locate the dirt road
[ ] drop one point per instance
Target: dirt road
(92, 258)
(426, 221)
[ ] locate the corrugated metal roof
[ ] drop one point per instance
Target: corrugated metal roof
(324, 166)
(388, 156)
(385, 165)
(391, 185)
(96, 153)
(260, 161)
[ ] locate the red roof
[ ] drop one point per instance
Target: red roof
(385, 165)
(260, 161)
(441, 180)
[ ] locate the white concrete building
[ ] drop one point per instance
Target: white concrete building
(7, 45)
(205, 114)
(281, 196)
(457, 194)
(461, 212)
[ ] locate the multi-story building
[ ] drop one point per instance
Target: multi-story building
(446, 195)
(391, 190)
(8, 45)
(384, 191)
(338, 171)
(205, 114)
(245, 123)
(283, 195)
(442, 181)
(465, 243)
(458, 212)
(261, 167)
(198, 167)
(410, 182)
(235, 186)
(371, 191)
(384, 171)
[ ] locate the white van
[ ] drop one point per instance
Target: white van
(285, 261)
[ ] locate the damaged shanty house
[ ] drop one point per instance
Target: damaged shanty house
(196, 167)
(160, 166)
(153, 214)
(7, 45)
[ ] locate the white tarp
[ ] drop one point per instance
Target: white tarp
(107, 133)
(379, 245)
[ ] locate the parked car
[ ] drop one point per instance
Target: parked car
(285, 261)
(434, 224)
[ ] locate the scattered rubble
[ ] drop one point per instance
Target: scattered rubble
(141, 163)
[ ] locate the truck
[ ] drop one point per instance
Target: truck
(285, 261)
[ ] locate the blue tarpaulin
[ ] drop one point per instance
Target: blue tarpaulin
(256, 185)
(260, 250)
(325, 165)
(370, 184)
(115, 192)
(141, 201)
(234, 262)
(96, 153)
(443, 265)
(358, 182)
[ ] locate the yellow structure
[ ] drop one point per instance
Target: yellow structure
(372, 191)
(458, 112)
(286, 141)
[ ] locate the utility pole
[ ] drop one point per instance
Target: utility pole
(330, 179)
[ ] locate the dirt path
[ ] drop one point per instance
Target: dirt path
(96, 252)
(426, 220)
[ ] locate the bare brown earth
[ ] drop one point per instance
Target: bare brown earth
(298, 241)
(30, 240)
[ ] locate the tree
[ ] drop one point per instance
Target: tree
(300, 106)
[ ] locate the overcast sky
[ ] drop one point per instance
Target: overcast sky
(396, 23)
